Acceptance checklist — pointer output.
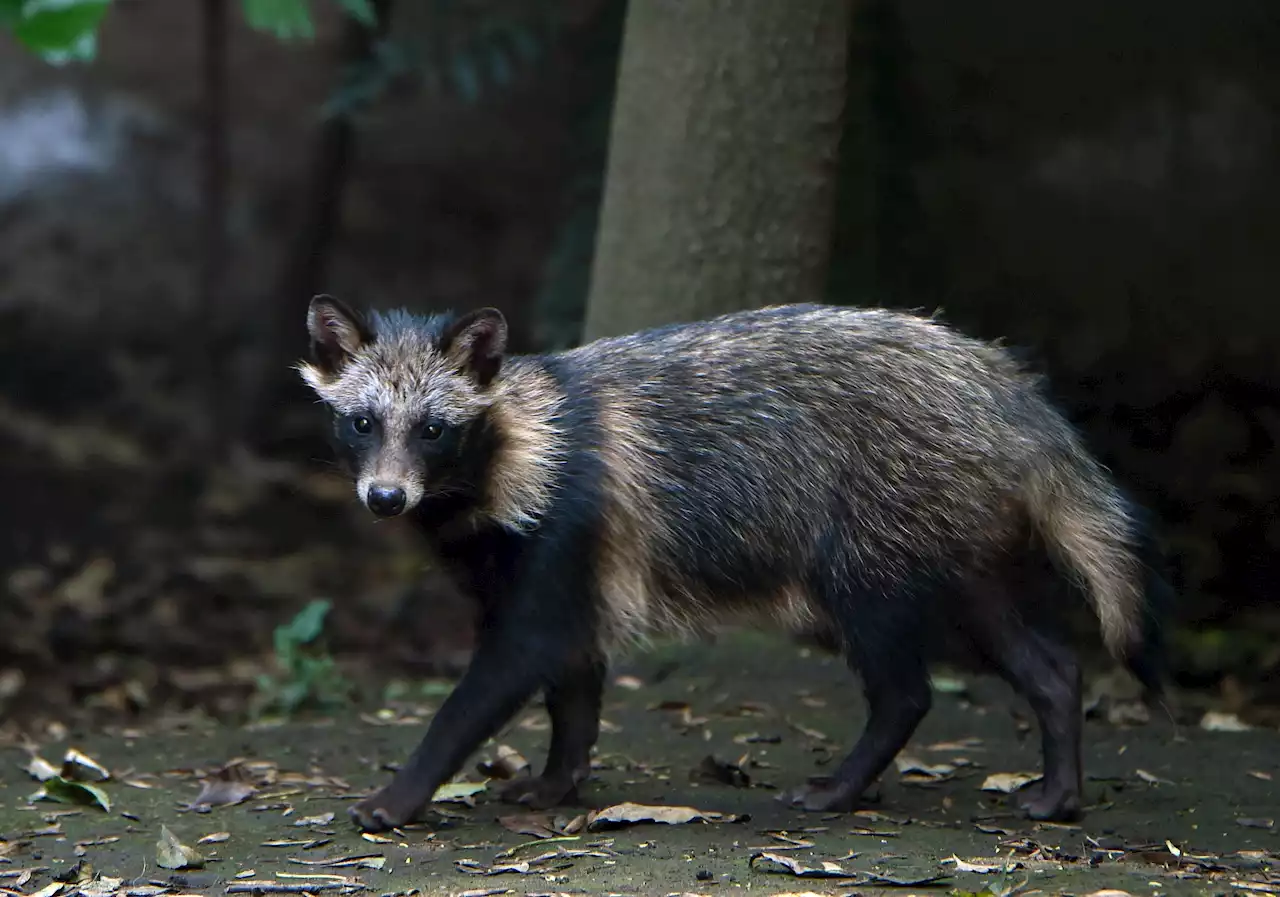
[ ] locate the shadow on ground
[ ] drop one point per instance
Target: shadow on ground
(1174, 809)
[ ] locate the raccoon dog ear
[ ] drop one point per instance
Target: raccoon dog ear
(336, 331)
(475, 344)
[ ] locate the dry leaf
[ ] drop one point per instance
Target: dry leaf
(508, 765)
(221, 792)
(1214, 721)
(80, 767)
(631, 814)
(41, 769)
(536, 825)
(981, 868)
(908, 765)
(781, 863)
(322, 819)
(214, 838)
(724, 772)
(1150, 778)
(1009, 782)
(459, 792)
(173, 854)
(1268, 824)
(364, 861)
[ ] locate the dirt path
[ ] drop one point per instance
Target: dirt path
(1174, 809)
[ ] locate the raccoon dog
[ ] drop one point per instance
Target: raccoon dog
(862, 476)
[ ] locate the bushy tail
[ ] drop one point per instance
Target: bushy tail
(1095, 532)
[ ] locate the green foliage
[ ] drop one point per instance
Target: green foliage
(460, 54)
(62, 31)
(308, 677)
(291, 19)
(59, 31)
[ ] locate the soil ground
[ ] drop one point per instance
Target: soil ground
(1173, 808)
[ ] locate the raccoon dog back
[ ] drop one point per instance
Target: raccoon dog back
(860, 473)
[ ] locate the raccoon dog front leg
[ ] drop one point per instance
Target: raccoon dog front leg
(500, 678)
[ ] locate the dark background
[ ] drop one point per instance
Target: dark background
(1095, 182)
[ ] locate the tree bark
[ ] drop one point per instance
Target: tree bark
(720, 181)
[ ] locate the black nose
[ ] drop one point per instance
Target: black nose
(386, 501)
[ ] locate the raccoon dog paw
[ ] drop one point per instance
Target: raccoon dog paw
(381, 812)
(539, 792)
(1058, 805)
(824, 795)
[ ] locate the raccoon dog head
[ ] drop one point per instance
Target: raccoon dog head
(409, 397)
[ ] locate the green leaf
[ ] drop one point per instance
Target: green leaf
(65, 791)
(307, 625)
(59, 30)
(360, 10)
(10, 11)
(286, 19)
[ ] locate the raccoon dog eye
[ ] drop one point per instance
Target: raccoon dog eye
(432, 431)
(362, 425)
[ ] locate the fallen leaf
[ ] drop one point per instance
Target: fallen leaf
(78, 874)
(79, 767)
(364, 861)
(1216, 721)
(1257, 887)
(807, 732)
(221, 792)
(173, 854)
(59, 789)
(1259, 774)
(909, 766)
(630, 683)
(724, 772)
(536, 825)
(280, 887)
(948, 685)
(1268, 824)
(50, 890)
(551, 861)
(781, 863)
(964, 744)
(508, 765)
(1150, 778)
(631, 814)
(101, 886)
(214, 838)
(981, 868)
(756, 738)
(41, 769)
(1009, 782)
(459, 792)
(777, 862)
(322, 819)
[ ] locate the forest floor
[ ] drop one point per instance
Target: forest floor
(1174, 807)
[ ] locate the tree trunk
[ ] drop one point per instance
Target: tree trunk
(720, 182)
